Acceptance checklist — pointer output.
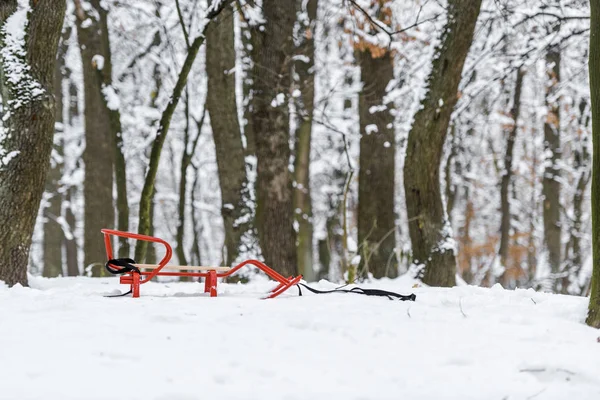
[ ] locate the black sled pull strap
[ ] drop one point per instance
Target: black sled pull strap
(125, 264)
(366, 292)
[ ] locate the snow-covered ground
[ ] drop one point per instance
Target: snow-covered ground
(61, 339)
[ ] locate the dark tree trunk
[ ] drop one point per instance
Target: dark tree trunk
(53, 232)
(550, 182)
(98, 155)
(430, 233)
(507, 176)
(270, 121)
(30, 125)
(451, 187)
(593, 318)
(196, 252)
(186, 159)
(222, 108)
(116, 131)
(304, 68)
(376, 182)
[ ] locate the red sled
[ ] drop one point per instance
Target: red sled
(148, 271)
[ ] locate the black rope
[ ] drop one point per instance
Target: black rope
(126, 265)
(119, 295)
(366, 292)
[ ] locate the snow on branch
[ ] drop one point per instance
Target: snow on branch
(23, 87)
(14, 59)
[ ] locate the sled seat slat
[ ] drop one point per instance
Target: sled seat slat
(183, 267)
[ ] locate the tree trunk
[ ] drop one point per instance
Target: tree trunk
(593, 318)
(98, 155)
(376, 217)
(53, 232)
(222, 107)
(507, 176)
(186, 158)
(452, 166)
(71, 248)
(196, 252)
(581, 166)
(430, 233)
(29, 121)
(304, 68)
(550, 182)
(70, 242)
(112, 104)
(270, 121)
(163, 129)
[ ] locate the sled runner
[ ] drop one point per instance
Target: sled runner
(135, 275)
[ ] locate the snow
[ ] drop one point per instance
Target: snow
(64, 340)
(278, 100)
(111, 97)
(371, 128)
(6, 159)
(98, 62)
(13, 57)
(87, 23)
(16, 71)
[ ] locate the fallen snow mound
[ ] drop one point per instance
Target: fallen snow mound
(61, 339)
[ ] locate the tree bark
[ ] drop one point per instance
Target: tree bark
(550, 182)
(430, 233)
(222, 108)
(507, 176)
(53, 232)
(186, 159)
(593, 318)
(29, 127)
(116, 131)
(98, 156)
(163, 129)
(376, 216)
(270, 121)
(304, 68)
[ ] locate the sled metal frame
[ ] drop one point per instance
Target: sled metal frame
(135, 279)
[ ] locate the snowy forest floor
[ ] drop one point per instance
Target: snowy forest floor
(61, 339)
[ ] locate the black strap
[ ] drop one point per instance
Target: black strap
(126, 265)
(366, 292)
(119, 295)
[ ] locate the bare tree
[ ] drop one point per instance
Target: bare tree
(144, 226)
(430, 233)
(222, 108)
(28, 125)
(582, 166)
(551, 180)
(593, 318)
(53, 231)
(270, 122)
(98, 155)
(304, 103)
(376, 178)
(505, 221)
